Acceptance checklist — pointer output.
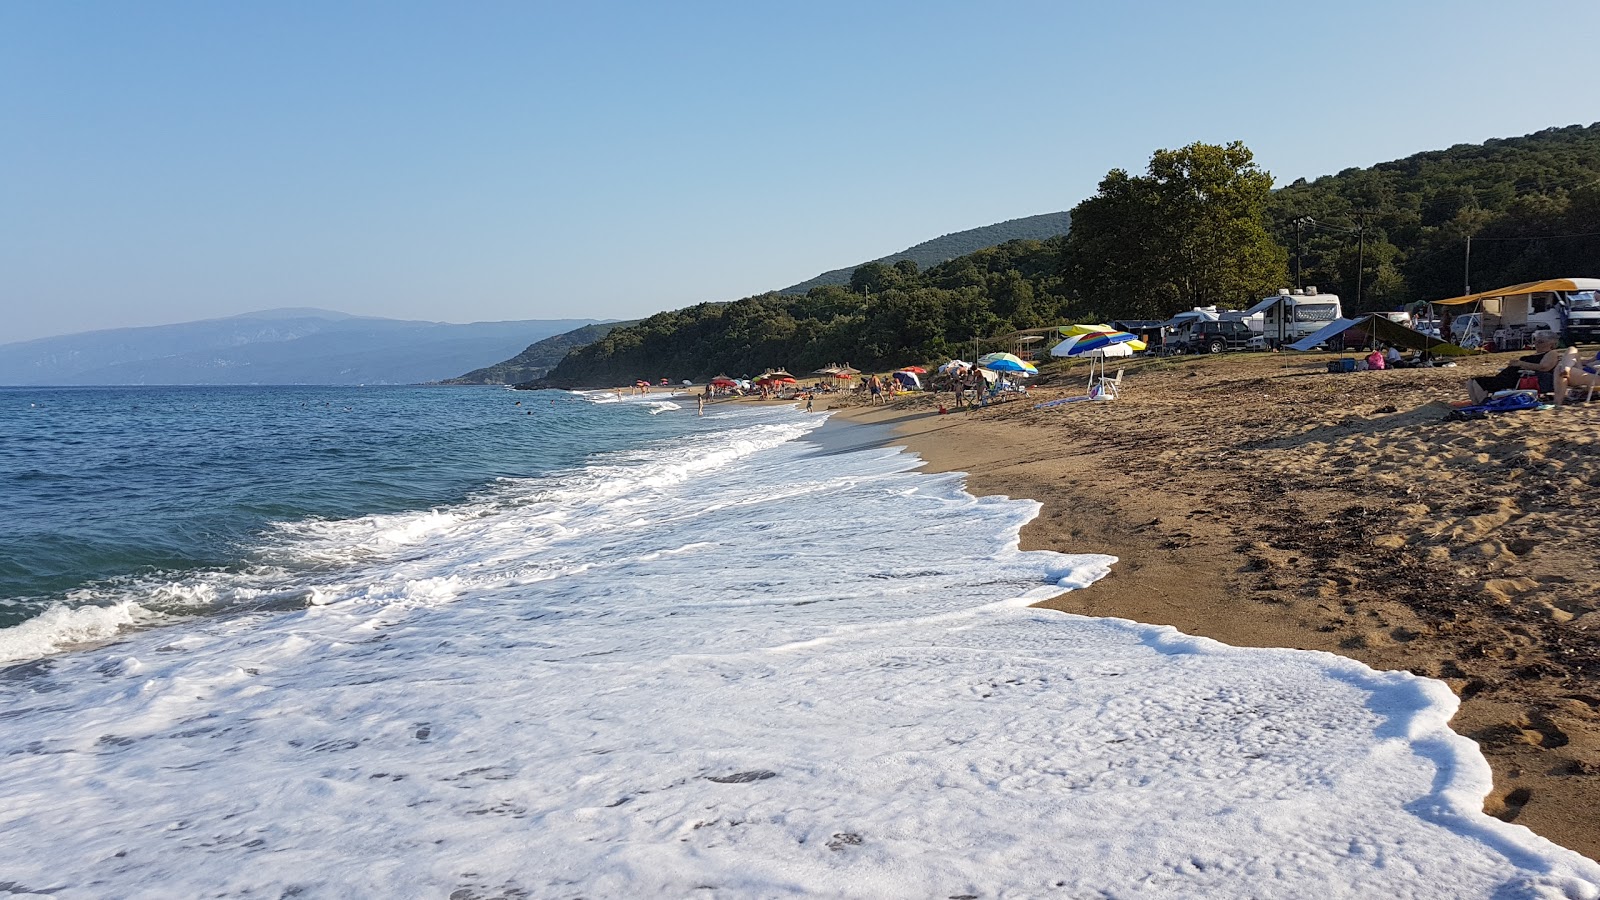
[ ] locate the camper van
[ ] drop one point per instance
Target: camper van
(1291, 315)
(1197, 330)
(1583, 311)
(1508, 317)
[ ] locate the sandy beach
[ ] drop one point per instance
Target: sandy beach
(1256, 499)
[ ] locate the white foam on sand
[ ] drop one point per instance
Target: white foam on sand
(733, 667)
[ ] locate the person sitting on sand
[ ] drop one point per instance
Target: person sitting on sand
(1542, 361)
(1569, 374)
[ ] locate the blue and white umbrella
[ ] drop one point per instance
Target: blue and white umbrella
(1006, 362)
(1102, 343)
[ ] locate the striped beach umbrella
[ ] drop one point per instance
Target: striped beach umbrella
(1104, 343)
(1006, 362)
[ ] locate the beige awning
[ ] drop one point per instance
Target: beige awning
(1531, 287)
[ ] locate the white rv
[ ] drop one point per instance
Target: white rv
(1509, 316)
(1290, 315)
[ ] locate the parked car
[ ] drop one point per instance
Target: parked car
(1215, 337)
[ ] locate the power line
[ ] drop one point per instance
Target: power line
(1538, 237)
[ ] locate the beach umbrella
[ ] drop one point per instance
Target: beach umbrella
(830, 370)
(1075, 330)
(1006, 362)
(687, 383)
(915, 370)
(787, 379)
(1104, 343)
(723, 381)
(954, 365)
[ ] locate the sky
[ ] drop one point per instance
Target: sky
(165, 162)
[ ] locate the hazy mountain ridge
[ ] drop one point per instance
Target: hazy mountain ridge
(947, 247)
(291, 346)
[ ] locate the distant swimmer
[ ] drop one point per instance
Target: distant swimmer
(702, 399)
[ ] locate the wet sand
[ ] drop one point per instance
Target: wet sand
(1257, 500)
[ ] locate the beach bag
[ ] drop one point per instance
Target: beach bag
(1375, 360)
(1528, 383)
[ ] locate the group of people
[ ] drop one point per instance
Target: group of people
(1556, 371)
(969, 382)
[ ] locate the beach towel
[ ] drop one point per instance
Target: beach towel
(1501, 402)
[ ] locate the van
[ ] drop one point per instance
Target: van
(1291, 315)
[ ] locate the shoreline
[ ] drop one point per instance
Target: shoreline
(1218, 537)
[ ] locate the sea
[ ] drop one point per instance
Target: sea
(472, 643)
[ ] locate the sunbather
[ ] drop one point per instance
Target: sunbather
(1542, 362)
(1571, 374)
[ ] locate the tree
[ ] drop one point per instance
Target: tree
(1191, 232)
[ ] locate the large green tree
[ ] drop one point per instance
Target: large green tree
(1190, 232)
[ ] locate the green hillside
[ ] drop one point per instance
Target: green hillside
(1531, 205)
(539, 357)
(950, 246)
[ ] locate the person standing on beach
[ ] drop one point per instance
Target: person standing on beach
(702, 399)
(874, 390)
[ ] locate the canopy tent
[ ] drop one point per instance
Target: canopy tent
(1376, 327)
(1528, 287)
(1511, 315)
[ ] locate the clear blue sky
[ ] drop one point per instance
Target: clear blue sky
(168, 161)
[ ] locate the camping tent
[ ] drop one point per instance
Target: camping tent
(1377, 328)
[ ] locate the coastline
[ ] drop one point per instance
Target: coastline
(1256, 501)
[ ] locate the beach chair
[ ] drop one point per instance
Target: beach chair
(1109, 387)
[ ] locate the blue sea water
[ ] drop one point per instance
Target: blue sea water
(396, 642)
(99, 485)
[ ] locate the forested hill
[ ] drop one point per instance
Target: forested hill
(950, 246)
(1530, 204)
(539, 357)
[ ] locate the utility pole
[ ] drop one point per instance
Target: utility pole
(1361, 256)
(1466, 269)
(1299, 228)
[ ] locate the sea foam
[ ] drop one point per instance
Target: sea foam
(732, 665)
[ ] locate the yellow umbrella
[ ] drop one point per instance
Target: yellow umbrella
(1075, 330)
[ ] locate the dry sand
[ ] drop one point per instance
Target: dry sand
(1255, 499)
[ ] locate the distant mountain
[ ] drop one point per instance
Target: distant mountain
(532, 364)
(281, 346)
(942, 249)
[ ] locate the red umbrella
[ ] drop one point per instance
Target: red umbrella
(723, 380)
(915, 370)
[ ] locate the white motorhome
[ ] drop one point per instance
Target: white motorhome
(1290, 315)
(1508, 317)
